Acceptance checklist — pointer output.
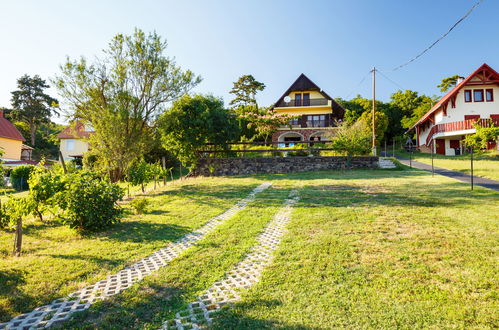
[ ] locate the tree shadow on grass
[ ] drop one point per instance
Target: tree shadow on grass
(10, 280)
(138, 231)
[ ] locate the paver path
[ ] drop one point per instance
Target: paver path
(61, 309)
(246, 273)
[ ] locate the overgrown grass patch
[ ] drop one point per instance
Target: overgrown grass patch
(56, 261)
(148, 303)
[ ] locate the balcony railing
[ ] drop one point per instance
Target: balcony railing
(460, 126)
(302, 103)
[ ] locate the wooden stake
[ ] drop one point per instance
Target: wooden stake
(62, 162)
(18, 238)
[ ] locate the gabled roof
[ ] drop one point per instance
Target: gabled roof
(303, 83)
(9, 131)
(74, 131)
(486, 75)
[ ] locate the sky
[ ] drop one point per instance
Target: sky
(335, 43)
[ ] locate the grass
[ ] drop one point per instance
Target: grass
(485, 164)
(56, 261)
(364, 249)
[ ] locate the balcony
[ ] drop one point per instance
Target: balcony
(302, 103)
(460, 126)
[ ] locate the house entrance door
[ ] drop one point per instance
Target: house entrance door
(440, 144)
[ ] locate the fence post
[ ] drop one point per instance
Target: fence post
(471, 167)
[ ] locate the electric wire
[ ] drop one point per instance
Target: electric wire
(358, 85)
(390, 80)
(439, 39)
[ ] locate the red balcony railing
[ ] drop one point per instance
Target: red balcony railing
(459, 126)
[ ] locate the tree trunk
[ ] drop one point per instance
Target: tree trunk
(142, 186)
(40, 216)
(32, 130)
(18, 238)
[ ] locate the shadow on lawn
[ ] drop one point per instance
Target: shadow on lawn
(138, 231)
(10, 280)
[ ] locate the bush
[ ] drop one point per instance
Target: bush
(43, 186)
(139, 205)
(19, 176)
(89, 203)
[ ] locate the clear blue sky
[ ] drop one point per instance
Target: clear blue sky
(335, 43)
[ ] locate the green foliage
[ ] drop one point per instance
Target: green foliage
(89, 203)
(381, 124)
(139, 205)
(266, 123)
(244, 90)
(482, 136)
(31, 105)
(43, 186)
(353, 140)
(139, 173)
(194, 121)
(121, 94)
(449, 82)
(412, 106)
(19, 176)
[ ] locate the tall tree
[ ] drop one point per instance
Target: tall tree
(449, 82)
(194, 121)
(121, 94)
(31, 105)
(266, 123)
(245, 90)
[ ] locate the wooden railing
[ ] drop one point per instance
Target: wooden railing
(303, 103)
(460, 126)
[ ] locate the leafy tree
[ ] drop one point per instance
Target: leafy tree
(244, 90)
(44, 184)
(449, 82)
(31, 105)
(194, 121)
(13, 212)
(47, 144)
(121, 94)
(267, 123)
(412, 105)
(482, 136)
(381, 124)
(352, 140)
(140, 173)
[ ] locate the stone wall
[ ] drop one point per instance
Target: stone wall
(240, 166)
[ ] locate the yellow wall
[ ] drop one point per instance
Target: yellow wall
(80, 147)
(310, 110)
(313, 94)
(11, 148)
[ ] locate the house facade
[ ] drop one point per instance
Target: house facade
(473, 100)
(11, 140)
(315, 112)
(73, 140)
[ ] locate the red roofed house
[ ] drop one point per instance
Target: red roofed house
(73, 143)
(11, 140)
(445, 125)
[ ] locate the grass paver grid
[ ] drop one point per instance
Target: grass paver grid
(243, 276)
(61, 309)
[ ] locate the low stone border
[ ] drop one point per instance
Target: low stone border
(199, 313)
(61, 309)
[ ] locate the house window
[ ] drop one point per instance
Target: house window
(306, 99)
(467, 95)
(478, 95)
(489, 95)
(70, 145)
(294, 122)
(316, 121)
(297, 100)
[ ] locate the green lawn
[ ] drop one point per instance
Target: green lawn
(485, 164)
(365, 249)
(56, 261)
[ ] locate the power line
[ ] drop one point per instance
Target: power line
(360, 83)
(439, 39)
(390, 80)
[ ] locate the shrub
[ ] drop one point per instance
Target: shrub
(89, 203)
(19, 176)
(139, 205)
(43, 186)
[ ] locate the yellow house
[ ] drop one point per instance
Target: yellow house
(73, 140)
(11, 140)
(315, 111)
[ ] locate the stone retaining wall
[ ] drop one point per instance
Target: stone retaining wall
(240, 166)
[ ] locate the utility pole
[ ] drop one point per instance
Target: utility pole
(374, 112)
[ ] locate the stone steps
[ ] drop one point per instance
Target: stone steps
(386, 163)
